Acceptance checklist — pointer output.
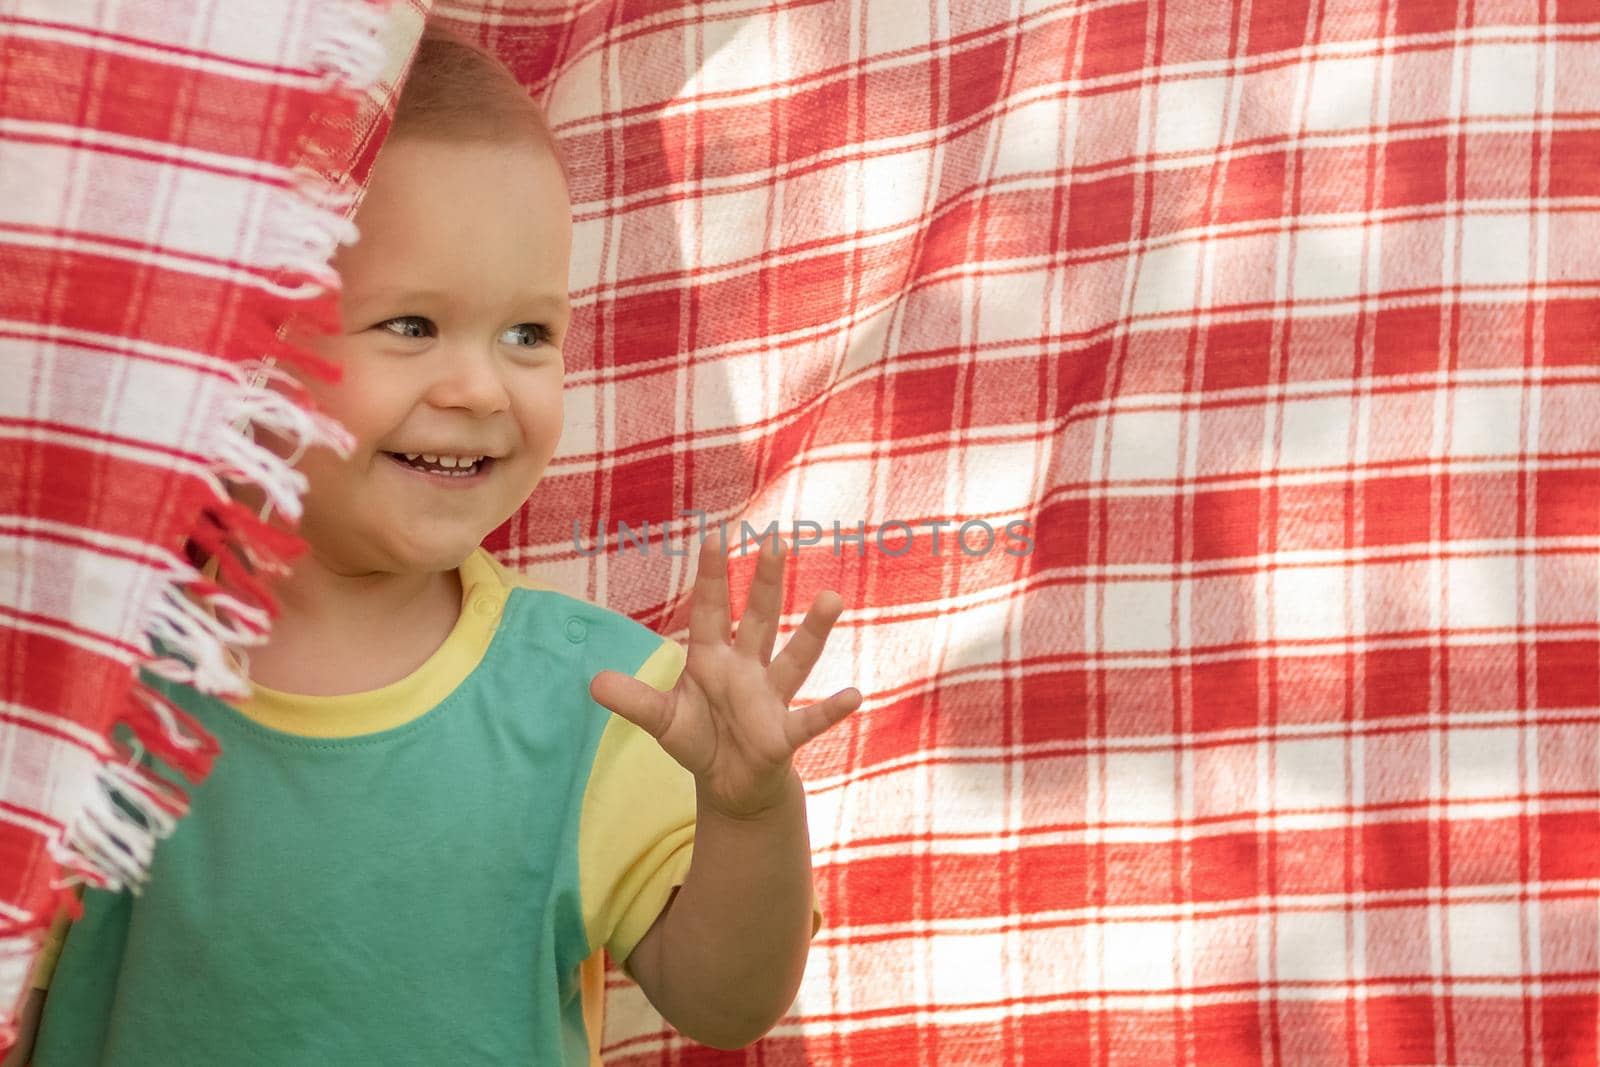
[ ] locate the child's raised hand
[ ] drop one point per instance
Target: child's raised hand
(728, 720)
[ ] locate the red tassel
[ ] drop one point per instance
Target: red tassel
(215, 543)
(262, 541)
(225, 525)
(193, 761)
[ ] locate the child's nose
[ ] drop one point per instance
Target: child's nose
(470, 378)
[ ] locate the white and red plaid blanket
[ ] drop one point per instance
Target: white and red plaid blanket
(1280, 324)
(1277, 324)
(171, 190)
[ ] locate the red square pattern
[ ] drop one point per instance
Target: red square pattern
(1115, 41)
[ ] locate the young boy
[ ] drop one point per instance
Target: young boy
(425, 824)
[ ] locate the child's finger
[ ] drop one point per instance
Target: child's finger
(758, 626)
(708, 616)
(643, 705)
(816, 719)
(793, 665)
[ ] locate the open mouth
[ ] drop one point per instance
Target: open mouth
(450, 467)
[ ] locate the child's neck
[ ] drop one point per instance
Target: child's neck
(349, 633)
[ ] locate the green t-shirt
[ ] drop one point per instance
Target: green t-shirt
(421, 874)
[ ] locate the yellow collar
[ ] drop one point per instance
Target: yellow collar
(483, 598)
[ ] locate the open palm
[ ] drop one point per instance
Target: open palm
(727, 721)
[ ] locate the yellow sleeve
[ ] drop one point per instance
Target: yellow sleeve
(636, 832)
(44, 967)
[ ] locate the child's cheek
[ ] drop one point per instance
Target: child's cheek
(355, 398)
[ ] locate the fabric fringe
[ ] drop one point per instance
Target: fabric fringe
(345, 42)
(240, 459)
(198, 626)
(311, 230)
(126, 812)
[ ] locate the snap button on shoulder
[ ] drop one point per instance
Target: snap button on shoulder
(485, 606)
(577, 629)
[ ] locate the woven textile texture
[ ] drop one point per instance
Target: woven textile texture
(1275, 736)
(171, 189)
(1277, 322)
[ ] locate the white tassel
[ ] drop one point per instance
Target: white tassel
(303, 236)
(131, 784)
(258, 373)
(345, 42)
(271, 410)
(193, 636)
(169, 724)
(340, 198)
(239, 459)
(180, 673)
(106, 839)
(180, 573)
(173, 670)
(253, 618)
(116, 861)
(215, 484)
(179, 607)
(304, 289)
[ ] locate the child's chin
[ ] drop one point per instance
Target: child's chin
(444, 557)
(441, 553)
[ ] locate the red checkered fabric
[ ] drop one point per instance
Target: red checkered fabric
(1278, 323)
(168, 196)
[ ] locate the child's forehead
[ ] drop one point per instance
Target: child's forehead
(441, 160)
(458, 224)
(530, 297)
(431, 188)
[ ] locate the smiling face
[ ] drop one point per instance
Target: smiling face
(454, 309)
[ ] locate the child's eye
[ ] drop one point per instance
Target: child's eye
(407, 319)
(534, 333)
(524, 334)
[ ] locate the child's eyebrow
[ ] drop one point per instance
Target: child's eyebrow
(547, 303)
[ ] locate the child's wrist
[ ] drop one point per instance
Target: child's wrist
(788, 793)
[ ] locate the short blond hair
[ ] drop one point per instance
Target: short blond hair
(458, 91)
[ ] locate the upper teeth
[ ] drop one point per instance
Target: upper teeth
(444, 461)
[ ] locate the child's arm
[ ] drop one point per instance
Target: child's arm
(29, 1027)
(724, 960)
